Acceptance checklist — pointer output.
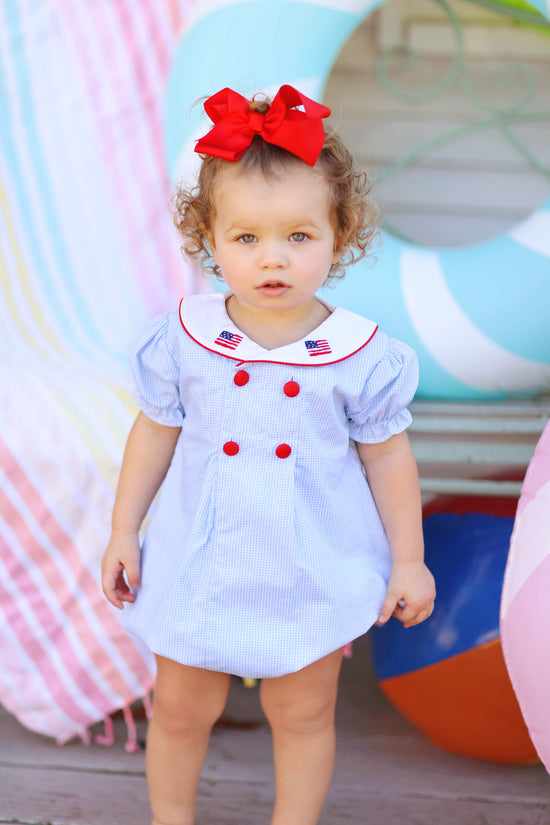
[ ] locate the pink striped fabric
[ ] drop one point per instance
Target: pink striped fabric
(88, 256)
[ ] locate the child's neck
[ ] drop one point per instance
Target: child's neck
(272, 329)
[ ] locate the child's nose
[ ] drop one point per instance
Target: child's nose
(273, 256)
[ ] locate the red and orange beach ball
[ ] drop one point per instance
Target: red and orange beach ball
(448, 675)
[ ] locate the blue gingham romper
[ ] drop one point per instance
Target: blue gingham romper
(265, 551)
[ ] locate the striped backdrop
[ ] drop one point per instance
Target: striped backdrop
(87, 256)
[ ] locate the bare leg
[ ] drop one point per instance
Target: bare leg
(187, 702)
(300, 710)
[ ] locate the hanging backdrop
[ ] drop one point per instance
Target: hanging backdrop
(87, 256)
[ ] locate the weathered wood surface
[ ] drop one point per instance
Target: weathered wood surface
(386, 773)
(468, 190)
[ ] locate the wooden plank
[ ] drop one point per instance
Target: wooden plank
(538, 407)
(386, 772)
(65, 797)
(456, 444)
(432, 228)
(107, 799)
(470, 487)
(479, 41)
(452, 190)
(382, 140)
(466, 11)
(358, 51)
(354, 88)
(463, 451)
(388, 22)
(468, 424)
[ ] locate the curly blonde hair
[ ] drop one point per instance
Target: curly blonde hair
(354, 209)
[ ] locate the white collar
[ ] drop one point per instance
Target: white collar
(205, 319)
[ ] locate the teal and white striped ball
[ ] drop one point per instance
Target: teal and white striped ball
(477, 316)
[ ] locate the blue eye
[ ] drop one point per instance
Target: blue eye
(298, 236)
(247, 238)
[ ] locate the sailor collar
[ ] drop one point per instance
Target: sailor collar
(204, 318)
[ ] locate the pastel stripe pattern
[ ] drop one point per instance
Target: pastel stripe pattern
(524, 620)
(87, 256)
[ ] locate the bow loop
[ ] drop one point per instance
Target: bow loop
(293, 122)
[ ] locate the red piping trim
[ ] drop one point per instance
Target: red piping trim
(269, 361)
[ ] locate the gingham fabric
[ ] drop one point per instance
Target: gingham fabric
(260, 560)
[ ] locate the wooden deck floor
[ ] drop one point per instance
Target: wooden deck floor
(386, 774)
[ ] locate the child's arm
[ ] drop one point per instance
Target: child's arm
(393, 479)
(147, 456)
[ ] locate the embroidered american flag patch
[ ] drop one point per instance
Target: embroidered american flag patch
(228, 339)
(320, 347)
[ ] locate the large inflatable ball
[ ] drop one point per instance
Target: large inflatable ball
(525, 620)
(447, 675)
(484, 331)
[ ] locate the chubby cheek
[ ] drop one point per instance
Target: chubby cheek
(226, 260)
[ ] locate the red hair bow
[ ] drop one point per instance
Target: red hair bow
(298, 131)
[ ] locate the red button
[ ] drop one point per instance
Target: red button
(231, 448)
(241, 378)
(291, 388)
(283, 451)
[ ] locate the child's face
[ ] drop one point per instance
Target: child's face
(273, 238)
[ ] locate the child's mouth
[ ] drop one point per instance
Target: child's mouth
(273, 288)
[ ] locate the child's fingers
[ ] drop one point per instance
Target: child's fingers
(121, 570)
(115, 588)
(413, 614)
(417, 617)
(131, 566)
(409, 614)
(388, 609)
(111, 594)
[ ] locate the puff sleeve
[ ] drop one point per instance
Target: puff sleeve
(156, 375)
(381, 411)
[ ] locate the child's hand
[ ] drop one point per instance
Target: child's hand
(410, 595)
(122, 556)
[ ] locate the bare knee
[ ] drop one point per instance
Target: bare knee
(181, 706)
(185, 715)
(298, 714)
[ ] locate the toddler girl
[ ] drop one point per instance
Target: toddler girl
(289, 520)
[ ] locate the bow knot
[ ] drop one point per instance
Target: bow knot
(256, 122)
(293, 122)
